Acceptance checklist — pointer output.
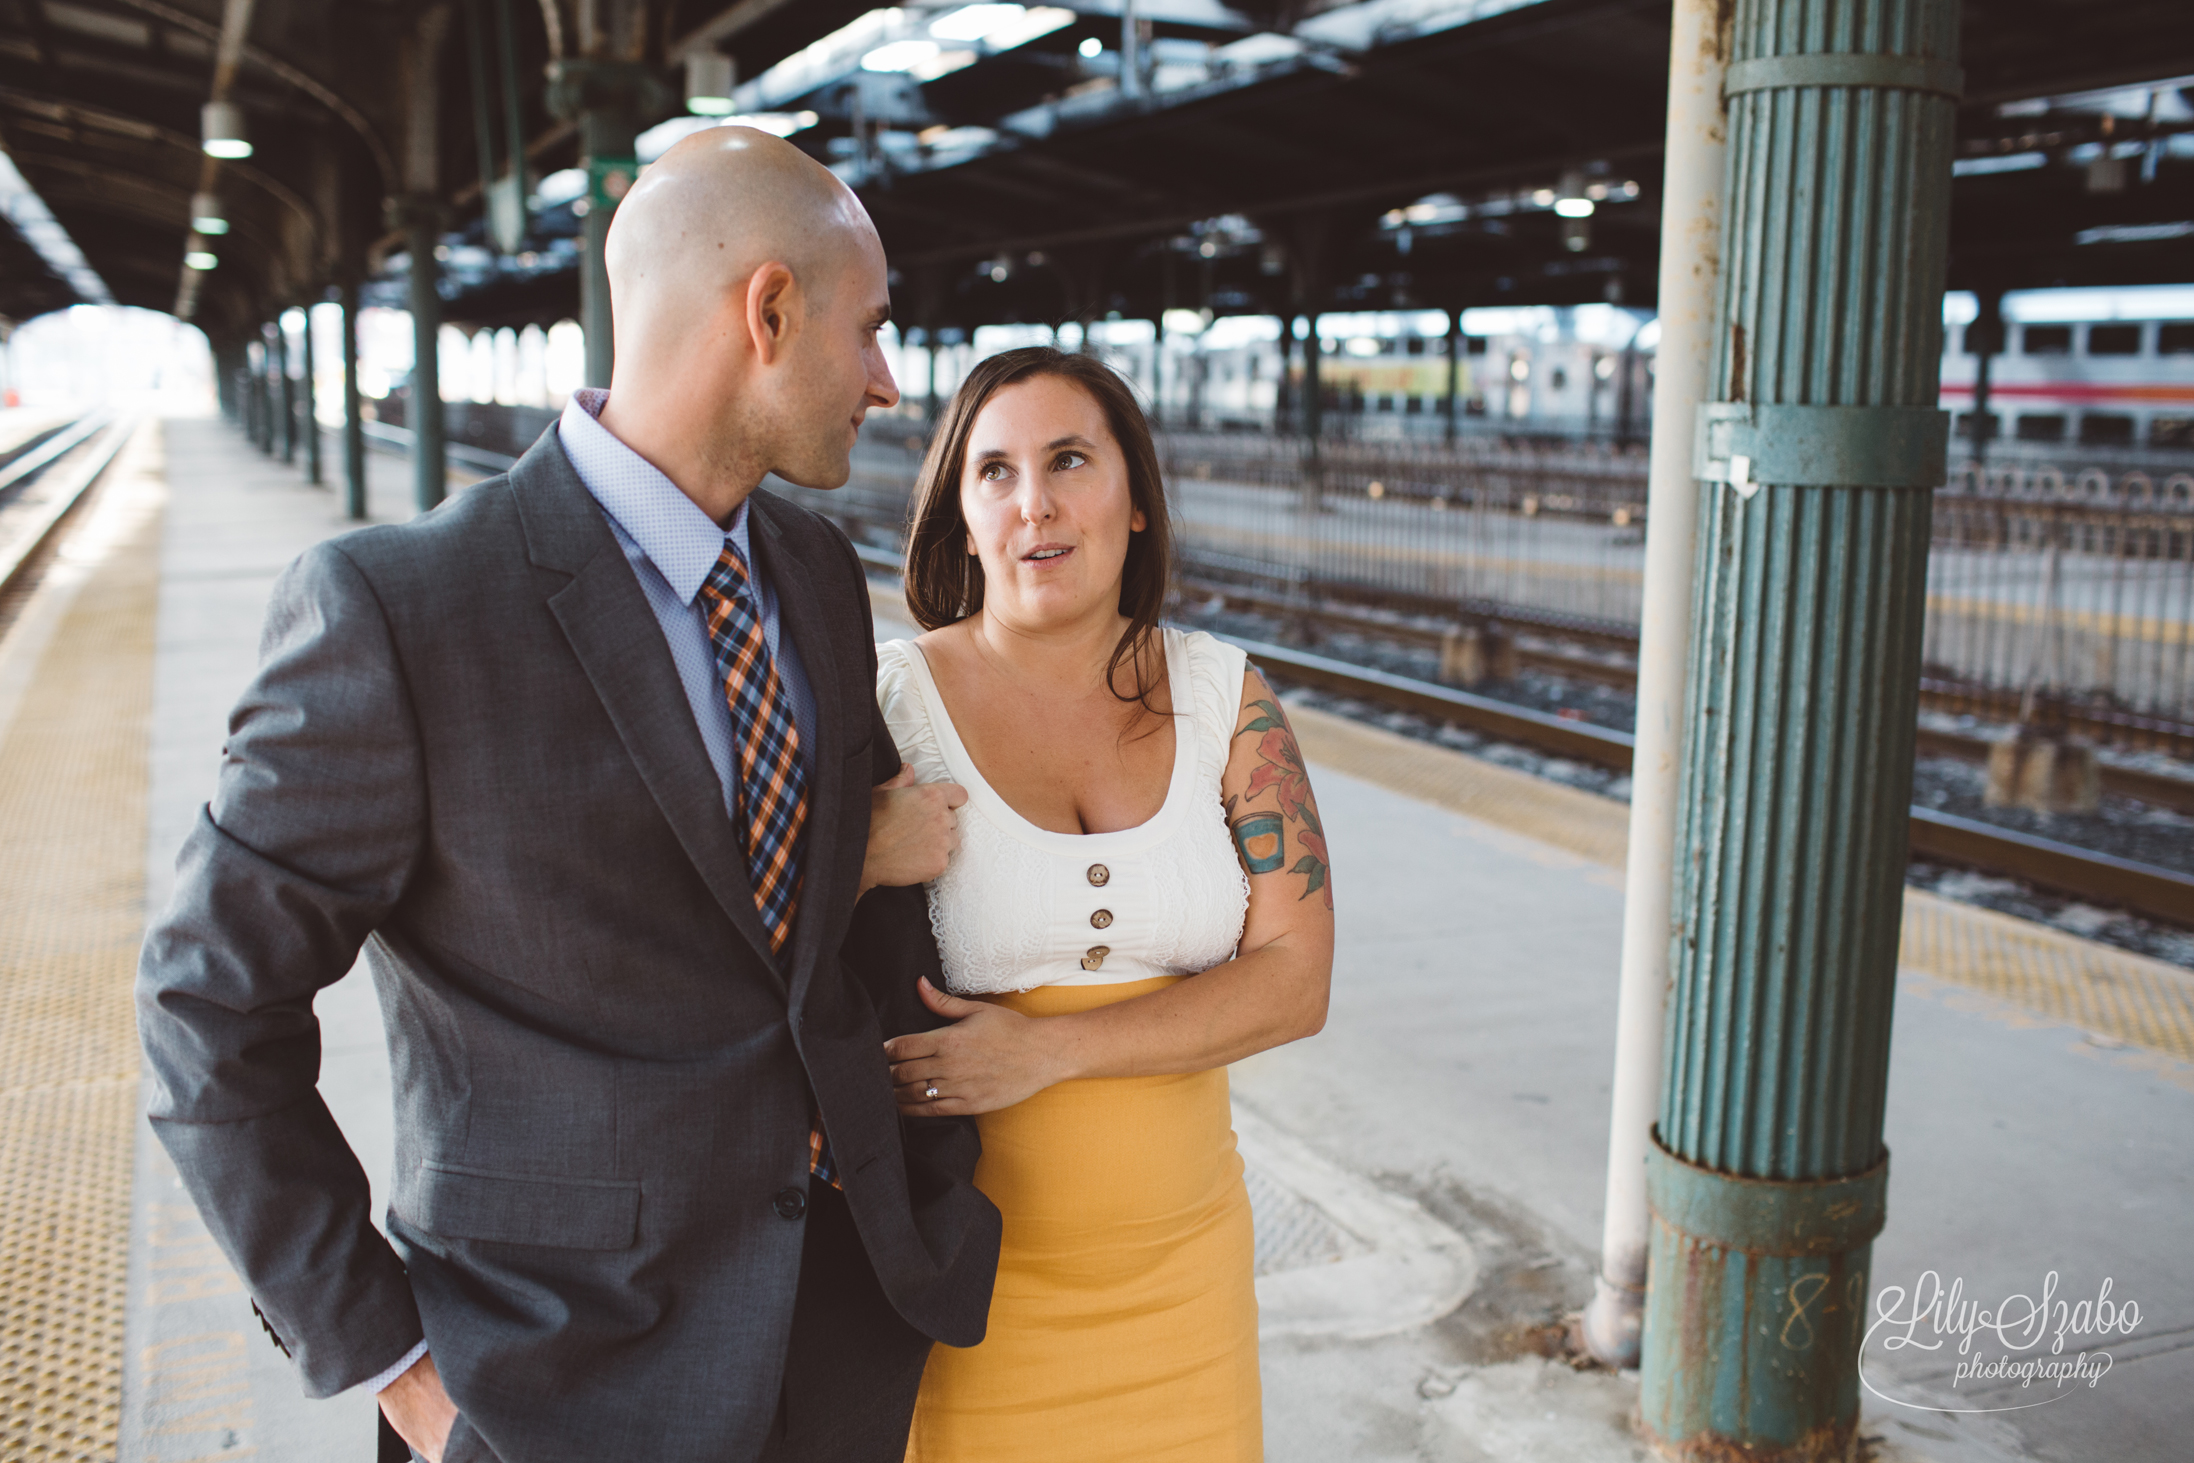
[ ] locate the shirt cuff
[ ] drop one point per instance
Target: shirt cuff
(380, 1384)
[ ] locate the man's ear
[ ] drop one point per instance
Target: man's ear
(773, 310)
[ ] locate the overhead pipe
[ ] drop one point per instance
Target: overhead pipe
(1691, 227)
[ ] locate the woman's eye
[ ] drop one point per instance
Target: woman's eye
(992, 471)
(1071, 460)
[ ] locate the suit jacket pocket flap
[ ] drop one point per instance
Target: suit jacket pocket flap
(527, 1209)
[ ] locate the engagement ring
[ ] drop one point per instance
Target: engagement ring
(930, 1091)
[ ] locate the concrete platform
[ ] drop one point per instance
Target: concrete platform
(1455, 1108)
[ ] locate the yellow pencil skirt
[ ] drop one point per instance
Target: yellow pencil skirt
(1124, 1324)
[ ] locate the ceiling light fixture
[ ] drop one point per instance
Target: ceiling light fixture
(221, 131)
(206, 215)
(710, 77)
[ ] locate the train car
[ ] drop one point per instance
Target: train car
(2085, 383)
(1397, 385)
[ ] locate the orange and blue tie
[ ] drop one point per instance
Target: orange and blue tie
(772, 793)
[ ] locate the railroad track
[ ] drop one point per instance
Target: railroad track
(28, 526)
(2061, 868)
(1610, 669)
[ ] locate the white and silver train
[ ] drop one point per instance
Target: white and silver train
(2085, 383)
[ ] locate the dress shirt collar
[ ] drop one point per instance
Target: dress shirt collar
(681, 541)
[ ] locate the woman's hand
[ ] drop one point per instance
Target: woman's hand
(987, 1059)
(912, 834)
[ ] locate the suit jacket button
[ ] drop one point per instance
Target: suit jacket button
(790, 1203)
(1099, 875)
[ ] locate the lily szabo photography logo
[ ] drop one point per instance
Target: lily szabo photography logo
(2048, 1347)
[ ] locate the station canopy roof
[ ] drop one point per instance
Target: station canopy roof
(1259, 156)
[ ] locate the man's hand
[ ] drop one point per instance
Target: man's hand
(419, 1410)
(911, 831)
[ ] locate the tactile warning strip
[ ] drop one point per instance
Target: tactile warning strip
(73, 784)
(2083, 983)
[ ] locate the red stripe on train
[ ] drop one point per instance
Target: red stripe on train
(2080, 391)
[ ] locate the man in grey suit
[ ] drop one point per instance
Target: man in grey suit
(584, 761)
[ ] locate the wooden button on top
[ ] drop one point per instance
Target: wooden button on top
(1096, 956)
(1102, 919)
(1099, 875)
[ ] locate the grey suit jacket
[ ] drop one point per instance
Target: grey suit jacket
(467, 750)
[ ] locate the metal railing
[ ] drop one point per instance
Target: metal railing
(2050, 585)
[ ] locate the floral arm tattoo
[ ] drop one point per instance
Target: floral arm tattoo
(1260, 833)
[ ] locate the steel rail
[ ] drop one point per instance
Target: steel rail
(27, 464)
(2146, 889)
(2159, 788)
(2061, 868)
(17, 558)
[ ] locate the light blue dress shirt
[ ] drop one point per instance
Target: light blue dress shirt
(671, 545)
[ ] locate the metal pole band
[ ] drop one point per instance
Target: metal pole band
(1790, 1217)
(1821, 446)
(1846, 68)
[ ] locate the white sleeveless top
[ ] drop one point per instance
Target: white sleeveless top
(1021, 906)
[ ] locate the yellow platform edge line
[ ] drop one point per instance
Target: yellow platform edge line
(73, 787)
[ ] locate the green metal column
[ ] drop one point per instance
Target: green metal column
(285, 390)
(1453, 404)
(354, 426)
(1984, 339)
(311, 424)
(262, 428)
(429, 464)
(1819, 446)
(606, 98)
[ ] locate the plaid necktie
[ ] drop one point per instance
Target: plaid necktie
(772, 791)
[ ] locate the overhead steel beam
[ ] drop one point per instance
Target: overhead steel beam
(384, 161)
(711, 34)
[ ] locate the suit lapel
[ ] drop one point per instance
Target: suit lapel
(802, 619)
(620, 645)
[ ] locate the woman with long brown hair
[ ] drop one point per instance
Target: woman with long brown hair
(1140, 896)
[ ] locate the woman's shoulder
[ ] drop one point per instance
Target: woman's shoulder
(904, 703)
(896, 680)
(1215, 670)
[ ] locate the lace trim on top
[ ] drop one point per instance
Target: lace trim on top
(1014, 909)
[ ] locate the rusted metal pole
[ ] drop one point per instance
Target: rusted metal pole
(1821, 446)
(1691, 251)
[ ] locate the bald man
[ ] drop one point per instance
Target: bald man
(583, 761)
